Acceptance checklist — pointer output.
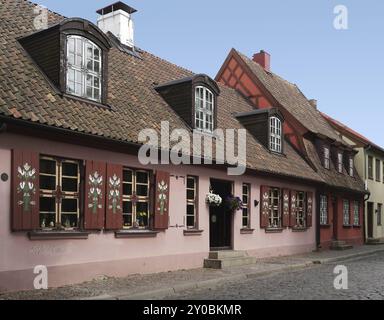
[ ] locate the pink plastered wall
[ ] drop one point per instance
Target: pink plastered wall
(72, 261)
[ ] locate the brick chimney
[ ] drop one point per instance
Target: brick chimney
(313, 103)
(264, 59)
(117, 18)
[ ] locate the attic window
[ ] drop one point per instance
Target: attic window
(327, 163)
(84, 68)
(351, 167)
(275, 135)
(340, 162)
(204, 109)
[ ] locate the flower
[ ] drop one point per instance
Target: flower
(213, 200)
(234, 203)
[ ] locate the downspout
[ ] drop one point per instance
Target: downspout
(318, 232)
(369, 195)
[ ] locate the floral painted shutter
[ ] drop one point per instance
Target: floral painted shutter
(25, 190)
(161, 203)
(94, 211)
(309, 209)
(264, 208)
(114, 197)
(286, 208)
(292, 221)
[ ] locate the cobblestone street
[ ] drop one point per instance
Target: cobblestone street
(366, 281)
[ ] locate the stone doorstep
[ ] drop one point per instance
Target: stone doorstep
(340, 246)
(228, 262)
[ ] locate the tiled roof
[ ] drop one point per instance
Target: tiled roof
(135, 104)
(293, 100)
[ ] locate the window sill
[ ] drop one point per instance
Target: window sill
(58, 235)
(274, 230)
(359, 226)
(135, 234)
(347, 226)
(297, 229)
(325, 226)
(246, 231)
(85, 100)
(193, 232)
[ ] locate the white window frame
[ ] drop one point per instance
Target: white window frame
(346, 213)
(275, 219)
(327, 161)
(323, 210)
(204, 109)
(80, 71)
(340, 162)
(246, 198)
(275, 134)
(356, 213)
(192, 202)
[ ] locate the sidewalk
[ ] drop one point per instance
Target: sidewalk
(156, 286)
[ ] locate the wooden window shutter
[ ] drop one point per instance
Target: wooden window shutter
(95, 181)
(114, 197)
(309, 209)
(25, 190)
(286, 207)
(161, 203)
(292, 220)
(264, 206)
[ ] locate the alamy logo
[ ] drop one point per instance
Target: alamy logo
(178, 148)
(341, 20)
(40, 282)
(341, 280)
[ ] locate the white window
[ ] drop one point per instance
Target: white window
(326, 158)
(351, 167)
(346, 213)
(192, 202)
(356, 213)
(274, 208)
(323, 210)
(84, 69)
(246, 205)
(340, 162)
(300, 215)
(204, 109)
(275, 134)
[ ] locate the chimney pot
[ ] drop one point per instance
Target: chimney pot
(264, 59)
(313, 103)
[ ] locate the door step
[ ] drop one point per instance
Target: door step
(226, 259)
(340, 246)
(375, 241)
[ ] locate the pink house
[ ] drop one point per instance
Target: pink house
(74, 195)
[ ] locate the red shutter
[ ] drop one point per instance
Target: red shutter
(286, 208)
(95, 180)
(264, 207)
(114, 197)
(161, 203)
(292, 220)
(309, 209)
(25, 190)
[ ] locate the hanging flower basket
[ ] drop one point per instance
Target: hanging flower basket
(213, 200)
(234, 203)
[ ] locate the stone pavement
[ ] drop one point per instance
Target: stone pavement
(161, 285)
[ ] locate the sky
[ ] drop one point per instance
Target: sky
(342, 69)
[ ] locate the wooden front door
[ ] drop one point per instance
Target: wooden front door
(221, 218)
(370, 220)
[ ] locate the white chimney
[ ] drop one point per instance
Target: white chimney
(117, 18)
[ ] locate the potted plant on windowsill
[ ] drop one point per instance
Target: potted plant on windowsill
(234, 203)
(141, 216)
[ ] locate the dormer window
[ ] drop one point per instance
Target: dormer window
(275, 134)
(340, 162)
(327, 163)
(204, 109)
(84, 65)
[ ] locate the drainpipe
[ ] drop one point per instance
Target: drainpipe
(318, 239)
(369, 195)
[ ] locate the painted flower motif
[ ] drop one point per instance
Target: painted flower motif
(26, 186)
(114, 193)
(95, 194)
(162, 189)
